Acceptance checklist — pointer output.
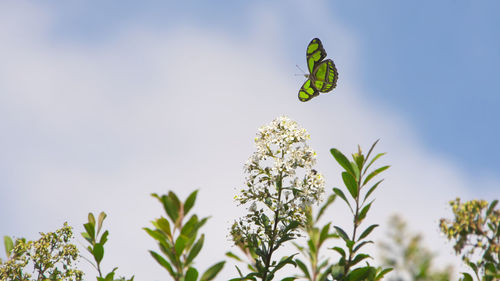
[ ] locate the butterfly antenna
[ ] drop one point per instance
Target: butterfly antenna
(303, 72)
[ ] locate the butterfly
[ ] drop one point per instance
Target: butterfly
(322, 75)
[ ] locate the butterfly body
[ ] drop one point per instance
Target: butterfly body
(322, 75)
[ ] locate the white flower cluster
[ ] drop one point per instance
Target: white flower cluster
(280, 173)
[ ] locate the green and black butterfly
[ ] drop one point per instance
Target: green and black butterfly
(322, 75)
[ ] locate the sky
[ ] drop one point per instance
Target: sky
(104, 103)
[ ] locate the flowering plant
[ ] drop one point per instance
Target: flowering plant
(281, 183)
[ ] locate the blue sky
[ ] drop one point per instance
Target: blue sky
(432, 61)
(103, 103)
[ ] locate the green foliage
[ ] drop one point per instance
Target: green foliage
(356, 177)
(410, 259)
(96, 247)
(317, 268)
(178, 240)
(51, 258)
(475, 232)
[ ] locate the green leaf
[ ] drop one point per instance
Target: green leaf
(212, 271)
(104, 238)
(87, 237)
(373, 160)
(372, 189)
(191, 227)
(303, 267)
(190, 202)
(170, 208)
(340, 251)
(91, 219)
(98, 252)
(356, 171)
(359, 159)
(191, 274)
(175, 200)
(341, 194)
(324, 276)
(328, 202)
(342, 233)
(156, 234)
(491, 207)
(467, 277)
(100, 220)
(180, 244)
(89, 227)
(195, 250)
(359, 258)
(284, 261)
(361, 273)
(342, 160)
(364, 211)
(288, 279)
(312, 247)
(367, 231)
(164, 263)
(164, 226)
(382, 273)
(360, 245)
(374, 173)
(324, 234)
(350, 183)
(8, 244)
(233, 256)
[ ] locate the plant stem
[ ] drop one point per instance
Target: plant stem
(271, 245)
(348, 264)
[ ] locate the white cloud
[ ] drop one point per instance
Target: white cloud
(90, 129)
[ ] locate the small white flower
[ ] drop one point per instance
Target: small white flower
(253, 207)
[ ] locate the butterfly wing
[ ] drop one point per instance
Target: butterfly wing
(307, 91)
(315, 53)
(324, 76)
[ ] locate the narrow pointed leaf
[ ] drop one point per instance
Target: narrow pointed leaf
(91, 219)
(342, 160)
(350, 183)
(164, 263)
(491, 207)
(373, 160)
(364, 211)
(89, 227)
(340, 251)
(374, 173)
(100, 220)
(303, 268)
(104, 238)
(195, 250)
(342, 233)
(189, 203)
(180, 244)
(382, 273)
(367, 231)
(233, 256)
(164, 226)
(372, 189)
(212, 271)
(170, 208)
(8, 244)
(324, 234)
(328, 202)
(341, 194)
